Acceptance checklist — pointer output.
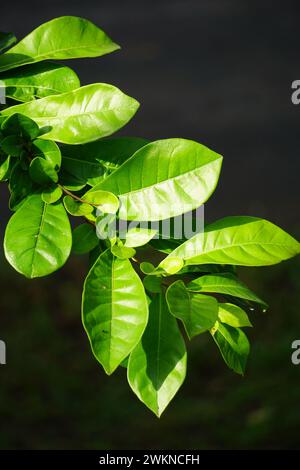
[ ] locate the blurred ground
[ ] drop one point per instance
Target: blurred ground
(218, 72)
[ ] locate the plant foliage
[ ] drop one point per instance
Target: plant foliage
(144, 297)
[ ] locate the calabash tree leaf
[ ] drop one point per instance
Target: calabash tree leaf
(233, 315)
(20, 186)
(152, 284)
(80, 116)
(38, 238)
(107, 202)
(6, 40)
(39, 80)
(20, 125)
(94, 161)
(42, 172)
(157, 366)
(233, 345)
(164, 179)
(48, 150)
(198, 312)
(4, 167)
(114, 310)
(244, 241)
(12, 145)
(122, 252)
(139, 236)
(66, 37)
(51, 194)
(84, 239)
(227, 284)
(171, 264)
(77, 208)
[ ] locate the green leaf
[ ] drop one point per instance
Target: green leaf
(12, 145)
(42, 172)
(244, 241)
(147, 268)
(164, 179)
(114, 310)
(139, 236)
(20, 125)
(6, 40)
(77, 208)
(171, 264)
(152, 284)
(69, 182)
(224, 284)
(20, 186)
(233, 315)
(84, 239)
(38, 238)
(48, 150)
(4, 167)
(80, 116)
(157, 366)
(233, 345)
(122, 252)
(51, 194)
(39, 80)
(91, 163)
(106, 202)
(67, 37)
(198, 312)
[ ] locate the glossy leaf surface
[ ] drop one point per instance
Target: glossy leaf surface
(114, 310)
(80, 116)
(164, 179)
(66, 37)
(157, 366)
(38, 238)
(198, 312)
(244, 241)
(39, 80)
(227, 284)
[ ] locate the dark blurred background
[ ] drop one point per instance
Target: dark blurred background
(218, 72)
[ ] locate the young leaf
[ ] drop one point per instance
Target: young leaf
(6, 40)
(138, 236)
(122, 252)
(106, 202)
(157, 366)
(91, 163)
(42, 172)
(80, 116)
(77, 208)
(67, 37)
(233, 315)
(164, 179)
(233, 345)
(51, 194)
(20, 186)
(114, 310)
(171, 264)
(224, 284)
(38, 238)
(12, 145)
(198, 312)
(84, 239)
(20, 125)
(48, 150)
(244, 241)
(39, 80)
